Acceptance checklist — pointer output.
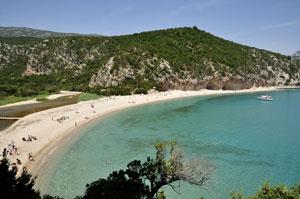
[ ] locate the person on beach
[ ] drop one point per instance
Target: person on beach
(4, 153)
(14, 150)
(17, 152)
(14, 165)
(33, 137)
(75, 123)
(19, 162)
(30, 157)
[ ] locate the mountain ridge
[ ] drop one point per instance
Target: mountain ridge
(11, 31)
(178, 58)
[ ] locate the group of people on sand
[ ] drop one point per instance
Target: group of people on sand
(61, 119)
(131, 102)
(18, 162)
(10, 150)
(13, 150)
(29, 138)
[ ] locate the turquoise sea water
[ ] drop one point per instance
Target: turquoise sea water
(248, 141)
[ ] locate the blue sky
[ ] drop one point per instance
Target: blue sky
(268, 24)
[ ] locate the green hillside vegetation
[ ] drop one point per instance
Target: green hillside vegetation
(179, 58)
(272, 192)
(42, 96)
(88, 96)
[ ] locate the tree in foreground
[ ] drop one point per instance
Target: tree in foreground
(272, 192)
(144, 180)
(18, 186)
(138, 181)
(12, 186)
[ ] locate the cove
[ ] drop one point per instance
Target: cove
(249, 142)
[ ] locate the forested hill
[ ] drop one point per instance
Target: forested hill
(180, 58)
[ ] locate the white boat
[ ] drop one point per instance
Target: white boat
(265, 97)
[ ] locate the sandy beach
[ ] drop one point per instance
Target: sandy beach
(54, 125)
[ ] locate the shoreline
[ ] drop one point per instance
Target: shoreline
(51, 134)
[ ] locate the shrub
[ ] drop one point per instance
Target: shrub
(272, 192)
(42, 99)
(88, 96)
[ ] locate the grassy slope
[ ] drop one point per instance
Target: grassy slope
(88, 96)
(14, 99)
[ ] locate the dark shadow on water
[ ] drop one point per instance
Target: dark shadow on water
(248, 163)
(184, 109)
(221, 149)
(139, 144)
(253, 163)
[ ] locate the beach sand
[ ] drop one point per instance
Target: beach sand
(56, 125)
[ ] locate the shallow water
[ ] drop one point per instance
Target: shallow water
(248, 141)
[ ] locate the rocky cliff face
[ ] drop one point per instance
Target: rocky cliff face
(184, 58)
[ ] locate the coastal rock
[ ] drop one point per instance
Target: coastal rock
(215, 84)
(175, 84)
(236, 84)
(260, 83)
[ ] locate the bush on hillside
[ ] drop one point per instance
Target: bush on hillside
(272, 192)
